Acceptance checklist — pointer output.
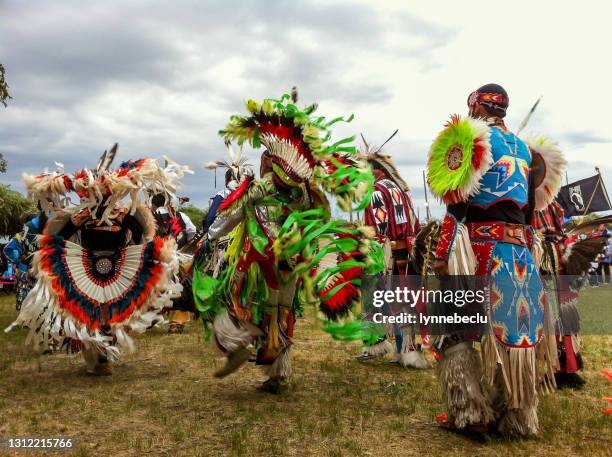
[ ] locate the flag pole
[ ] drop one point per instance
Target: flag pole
(603, 185)
(427, 212)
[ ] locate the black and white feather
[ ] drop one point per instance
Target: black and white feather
(236, 162)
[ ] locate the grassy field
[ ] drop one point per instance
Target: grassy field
(164, 401)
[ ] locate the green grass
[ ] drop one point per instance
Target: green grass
(164, 401)
(595, 311)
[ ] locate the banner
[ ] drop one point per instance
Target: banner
(584, 197)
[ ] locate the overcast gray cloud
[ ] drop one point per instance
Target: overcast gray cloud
(579, 138)
(163, 77)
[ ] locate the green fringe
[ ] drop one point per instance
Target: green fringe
(356, 330)
(352, 183)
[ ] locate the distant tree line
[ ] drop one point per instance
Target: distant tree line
(14, 210)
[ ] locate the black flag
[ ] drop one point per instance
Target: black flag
(584, 197)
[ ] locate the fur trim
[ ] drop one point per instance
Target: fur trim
(458, 158)
(408, 339)
(413, 359)
(229, 335)
(521, 422)
(281, 368)
(466, 401)
(91, 358)
(410, 355)
(381, 349)
(554, 165)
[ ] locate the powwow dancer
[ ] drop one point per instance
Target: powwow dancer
(236, 168)
(210, 256)
(7, 272)
(170, 221)
(491, 182)
(20, 250)
(565, 260)
(391, 214)
(178, 225)
(100, 271)
(285, 250)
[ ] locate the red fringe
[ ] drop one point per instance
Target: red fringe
(236, 194)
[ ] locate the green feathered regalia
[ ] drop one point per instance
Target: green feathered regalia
(285, 249)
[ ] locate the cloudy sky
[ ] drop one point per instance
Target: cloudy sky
(162, 77)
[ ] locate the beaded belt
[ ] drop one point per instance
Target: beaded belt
(498, 231)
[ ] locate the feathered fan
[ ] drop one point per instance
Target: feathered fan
(425, 246)
(579, 255)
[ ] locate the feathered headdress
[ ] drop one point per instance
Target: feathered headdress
(134, 179)
(237, 163)
(51, 190)
(375, 157)
(140, 179)
(297, 144)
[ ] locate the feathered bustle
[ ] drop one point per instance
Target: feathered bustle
(458, 158)
(554, 164)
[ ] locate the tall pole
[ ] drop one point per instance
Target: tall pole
(427, 212)
(526, 120)
(603, 185)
